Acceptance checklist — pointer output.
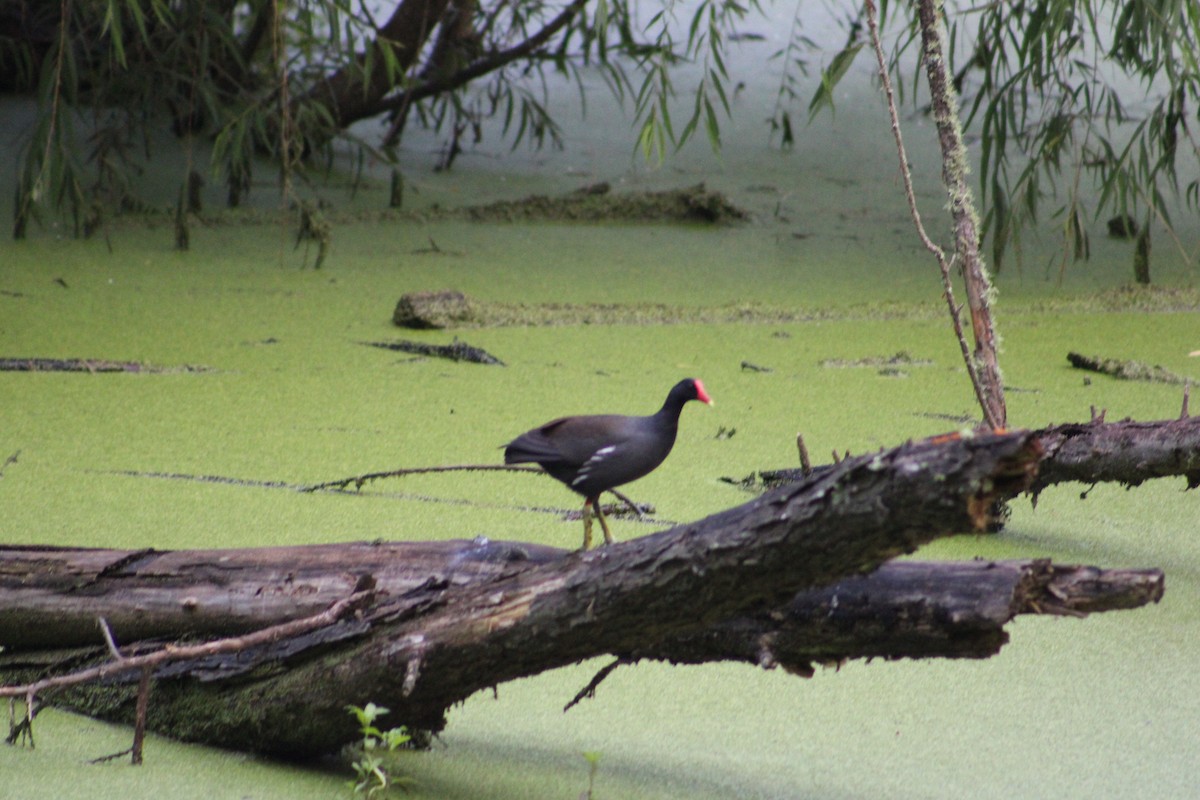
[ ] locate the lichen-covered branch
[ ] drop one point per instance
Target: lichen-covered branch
(955, 171)
(983, 391)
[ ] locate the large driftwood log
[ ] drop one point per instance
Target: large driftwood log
(472, 615)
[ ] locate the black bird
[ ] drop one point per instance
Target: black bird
(592, 454)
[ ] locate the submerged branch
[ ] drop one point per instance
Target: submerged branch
(455, 351)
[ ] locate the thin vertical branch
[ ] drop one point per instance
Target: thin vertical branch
(805, 462)
(139, 723)
(279, 61)
(64, 16)
(955, 170)
(994, 418)
(279, 58)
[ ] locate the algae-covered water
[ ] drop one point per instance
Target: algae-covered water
(1102, 707)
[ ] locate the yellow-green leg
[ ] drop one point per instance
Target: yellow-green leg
(608, 537)
(587, 526)
(591, 507)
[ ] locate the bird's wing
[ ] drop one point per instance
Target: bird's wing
(535, 446)
(567, 441)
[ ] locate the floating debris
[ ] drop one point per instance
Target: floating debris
(748, 366)
(900, 359)
(1125, 370)
(595, 204)
(11, 364)
(455, 351)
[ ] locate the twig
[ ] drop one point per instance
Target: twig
(1187, 391)
(108, 639)
(637, 509)
(12, 459)
(359, 480)
(139, 723)
(589, 691)
(23, 729)
(805, 462)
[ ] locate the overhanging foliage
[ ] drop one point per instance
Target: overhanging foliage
(1058, 90)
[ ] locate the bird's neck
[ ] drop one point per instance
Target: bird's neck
(669, 414)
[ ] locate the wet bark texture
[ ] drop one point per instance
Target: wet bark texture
(955, 170)
(1125, 452)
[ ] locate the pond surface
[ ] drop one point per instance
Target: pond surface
(1103, 707)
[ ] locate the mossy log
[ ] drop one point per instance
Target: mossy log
(1125, 369)
(448, 619)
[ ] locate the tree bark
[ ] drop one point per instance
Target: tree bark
(905, 609)
(910, 609)
(1125, 452)
(353, 92)
(955, 171)
(54, 596)
(451, 618)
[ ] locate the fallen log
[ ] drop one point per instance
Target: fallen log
(905, 609)
(52, 598)
(444, 620)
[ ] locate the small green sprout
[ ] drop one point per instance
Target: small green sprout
(373, 767)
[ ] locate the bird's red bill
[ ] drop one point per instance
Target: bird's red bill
(702, 395)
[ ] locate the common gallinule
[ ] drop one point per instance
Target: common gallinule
(593, 454)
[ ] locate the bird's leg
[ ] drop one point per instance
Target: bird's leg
(608, 537)
(587, 526)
